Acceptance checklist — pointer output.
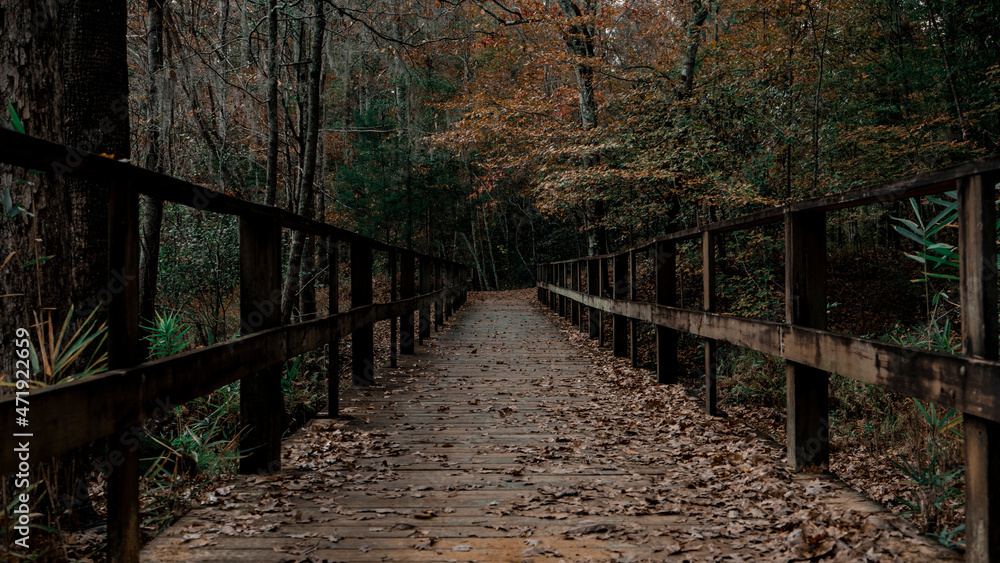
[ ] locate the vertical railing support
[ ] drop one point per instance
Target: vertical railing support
(978, 289)
(619, 323)
(633, 325)
(407, 290)
(333, 347)
(605, 292)
(575, 284)
(708, 241)
(805, 305)
(449, 297)
(425, 309)
(666, 294)
(594, 288)
(561, 282)
(124, 539)
(553, 297)
(261, 405)
(439, 302)
(363, 339)
(393, 293)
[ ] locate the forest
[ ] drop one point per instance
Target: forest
(502, 134)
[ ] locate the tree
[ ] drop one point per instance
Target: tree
(66, 77)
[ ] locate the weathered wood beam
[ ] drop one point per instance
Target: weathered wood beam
(619, 323)
(261, 404)
(124, 539)
(665, 266)
(363, 339)
(82, 411)
(333, 343)
(807, 392)
(978, 288)
(708, 304)
(964, 383)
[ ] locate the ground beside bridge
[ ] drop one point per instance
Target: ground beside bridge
(502, 440)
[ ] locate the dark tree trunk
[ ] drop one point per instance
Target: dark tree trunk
(63, 68)
(271, 190)
(152, 218)
(305, 208)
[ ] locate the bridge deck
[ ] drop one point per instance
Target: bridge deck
(503, 441)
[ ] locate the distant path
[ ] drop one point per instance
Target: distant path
(503, 440)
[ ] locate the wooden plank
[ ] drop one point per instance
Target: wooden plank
(665, 266)
(805, 305)
(261, 404)
(965, 383)
(333, 349)
(593, 288)
(619, 324)
(82, 411)
(575, 284)
(406, 291)
(605, 292)
(708, 298)
(439, 304)
(633, 325)
(393, 336)
(426, 286)
(978, 289)
(124, 540)
(363, 339)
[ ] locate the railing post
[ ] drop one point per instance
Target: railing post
(619, 323)
(449, 296)
(805, 305)
(575, 283)
(333, 348)
(633, 340)
(593, 288)
(363, 339)
(561, 282)
(262, 408)
(393, 334)
(711, 346)
(425, 308)
(124, 539)
(606, 292)
(551, 278)
(439, 302)
(666, 294)
(538, 278)
(407, 290)
(978, 288)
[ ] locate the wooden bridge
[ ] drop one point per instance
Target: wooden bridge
(500, 441)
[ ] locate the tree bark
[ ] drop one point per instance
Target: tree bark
(63, 68)
(305, 207)
(271, 189)
(152, 219)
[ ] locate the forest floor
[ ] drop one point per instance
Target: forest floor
(510, 439)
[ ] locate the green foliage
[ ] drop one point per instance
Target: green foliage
(938, 487)
(58, 357)
(167, 335)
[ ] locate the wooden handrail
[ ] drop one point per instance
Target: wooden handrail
(969, 383)
(112, 404)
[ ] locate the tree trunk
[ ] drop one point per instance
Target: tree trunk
(152, 219)
(699, 10)
(63, 68)
(271, 190)
(312, 124)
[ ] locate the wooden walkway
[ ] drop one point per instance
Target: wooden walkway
(502, 440)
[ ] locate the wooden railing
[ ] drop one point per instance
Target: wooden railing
(969, 383)
(112, 404)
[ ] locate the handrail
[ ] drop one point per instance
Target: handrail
(112, 404)
(969, 383)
